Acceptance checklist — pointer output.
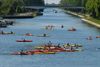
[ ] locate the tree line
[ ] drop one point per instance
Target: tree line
(92, 7)
(10, 7)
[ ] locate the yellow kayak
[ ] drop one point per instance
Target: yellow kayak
(40, 47)
(49, 53)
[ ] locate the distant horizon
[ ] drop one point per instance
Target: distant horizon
(52, 1)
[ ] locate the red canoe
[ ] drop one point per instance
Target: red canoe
(23, 40)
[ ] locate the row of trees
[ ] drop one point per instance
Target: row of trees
(16, 6)
(10, 6)
(34, 2)
(92, 7)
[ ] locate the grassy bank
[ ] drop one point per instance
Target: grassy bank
(93, 19)
(86, 18)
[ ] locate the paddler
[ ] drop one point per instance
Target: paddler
(2, 32)
(22, 52)
(44, 35)
(49, 43)
(12, 32)
(59, 45)
(62, 26)
(89, 38)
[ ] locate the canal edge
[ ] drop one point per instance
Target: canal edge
(83, 19)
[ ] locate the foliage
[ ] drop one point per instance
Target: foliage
(71, 2)
(34, 2)
(92, 6)
(15, 6)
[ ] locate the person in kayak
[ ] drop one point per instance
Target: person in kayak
(12, 32)
(62, 26)
(49, 43)
(71, 48)
(23, 39)
(2, 32)
(22, 52)
(89, 38)
(44, 35)
(59, 45)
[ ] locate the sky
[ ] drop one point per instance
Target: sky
(52, 1)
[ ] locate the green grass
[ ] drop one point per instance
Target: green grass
(86, 16)
(93, 19)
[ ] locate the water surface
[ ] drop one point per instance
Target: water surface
(87, 58)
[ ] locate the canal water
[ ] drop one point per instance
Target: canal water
(89, 57)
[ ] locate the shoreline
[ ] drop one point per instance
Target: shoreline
(91, 22)
(22, 15)
(83, 19)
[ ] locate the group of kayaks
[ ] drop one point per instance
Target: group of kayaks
(51, 49)
(50, 27)
(29, 34)
(43, 35)
(26, 34)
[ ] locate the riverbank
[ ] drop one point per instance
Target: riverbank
(22, 15)
(86, 19)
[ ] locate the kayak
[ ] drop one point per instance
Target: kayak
(97, 36)
(29, 34)
(23, 40)
(40, 47)
(42, 52)
(49, 53)
(72, 50)
(21, 53)
(56, 50)
(6, 33)
(42, 36)
(33, 52)
(73, 45)
(72, 30)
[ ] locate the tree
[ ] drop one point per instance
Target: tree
(15, 6)
(4, 9)
(93, 7)
(71, 2)
(34, 2)
(11, 6)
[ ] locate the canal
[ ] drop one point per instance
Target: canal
(89, 57)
